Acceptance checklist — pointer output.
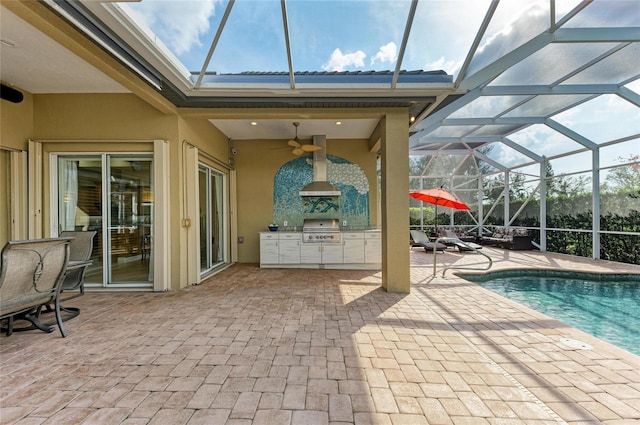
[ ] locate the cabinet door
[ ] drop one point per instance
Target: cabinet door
(332, 253)
(353, 251)
(373, 248)
(268, 251)
(310, 253)
(289, 251)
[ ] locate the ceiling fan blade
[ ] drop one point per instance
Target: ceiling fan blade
(293, 143)
(297, 151)
(311, 148)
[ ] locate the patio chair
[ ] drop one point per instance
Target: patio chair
(80, 251)
(31, 274)
(419, 238)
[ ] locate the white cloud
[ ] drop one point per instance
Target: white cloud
(507, 156)
(387, 53)
(339, 61)
(178, 24)
(449, 66)
(510, 29)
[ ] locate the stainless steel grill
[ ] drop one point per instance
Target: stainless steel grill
(321, 230)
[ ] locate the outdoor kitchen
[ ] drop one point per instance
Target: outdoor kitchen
(323, 223)
(321, 243)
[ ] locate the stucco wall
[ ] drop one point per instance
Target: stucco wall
(91, 123)
(94, 123)
(100, 116)
(199, 132)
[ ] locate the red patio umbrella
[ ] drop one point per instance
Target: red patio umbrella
(439, 196)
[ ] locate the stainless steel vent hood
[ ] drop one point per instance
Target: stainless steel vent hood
(320, 186)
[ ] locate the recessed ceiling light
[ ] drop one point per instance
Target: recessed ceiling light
(412, 119)
(338, 122)
(7, 43)
(254, 123)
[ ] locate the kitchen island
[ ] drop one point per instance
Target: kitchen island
(355, 250)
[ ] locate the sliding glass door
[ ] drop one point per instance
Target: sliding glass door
(111, 194)
(212, 219)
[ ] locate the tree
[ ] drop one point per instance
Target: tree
(517, 190)
(626, 178)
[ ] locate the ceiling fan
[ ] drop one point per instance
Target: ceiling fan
(299, 148)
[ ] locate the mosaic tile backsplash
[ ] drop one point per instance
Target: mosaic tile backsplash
(352, 206)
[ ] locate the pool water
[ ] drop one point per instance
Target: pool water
(607, 310)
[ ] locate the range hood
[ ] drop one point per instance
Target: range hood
(320, 186)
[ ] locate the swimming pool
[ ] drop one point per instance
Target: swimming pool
(606, 307)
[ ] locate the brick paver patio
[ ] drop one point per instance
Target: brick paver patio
(252, 346)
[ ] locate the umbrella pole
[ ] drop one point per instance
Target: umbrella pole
(435, 220)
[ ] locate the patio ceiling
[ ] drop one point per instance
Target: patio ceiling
(515, 82)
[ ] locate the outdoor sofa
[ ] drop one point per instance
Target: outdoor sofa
(509, 238)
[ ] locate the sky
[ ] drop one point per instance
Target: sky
(326, 35)
(363, 35)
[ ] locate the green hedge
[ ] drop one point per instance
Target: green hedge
(613, 247)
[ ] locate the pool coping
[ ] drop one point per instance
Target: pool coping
(553, 272)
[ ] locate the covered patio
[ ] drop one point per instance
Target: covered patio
(269, 346)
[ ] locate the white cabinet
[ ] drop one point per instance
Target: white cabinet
(268, 248)
(353, 247)
(372, 247)
(357, 250)
(332, 253)
(289, 248)
(311, 253)
(321, 253)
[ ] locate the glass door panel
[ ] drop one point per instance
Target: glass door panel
(130, 218)
(80, 205)
(217, 218)
(111, 194)
(203, 199)
(212, 219)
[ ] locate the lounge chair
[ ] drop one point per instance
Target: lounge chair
(419, 238)
(454, 240)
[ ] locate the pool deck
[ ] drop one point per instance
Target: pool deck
(275, 346)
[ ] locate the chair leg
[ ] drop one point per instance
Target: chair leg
(59, 319)
(71, 311)
(33, 317)
(9, 328)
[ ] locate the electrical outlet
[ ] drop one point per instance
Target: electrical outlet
(285, 223)
(344, 223)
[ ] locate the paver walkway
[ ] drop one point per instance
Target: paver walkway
(252, 346)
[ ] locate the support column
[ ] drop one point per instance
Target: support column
(507, 199)
(480, 197)
(395, 202)
(595, 190)
(543, 204)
